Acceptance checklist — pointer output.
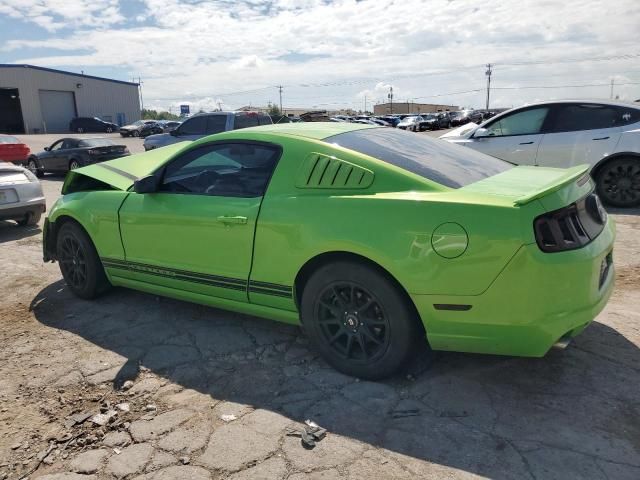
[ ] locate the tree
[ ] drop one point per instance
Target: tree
(155, 115)
(274, 111)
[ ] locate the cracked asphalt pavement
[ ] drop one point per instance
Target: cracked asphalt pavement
(133, 386)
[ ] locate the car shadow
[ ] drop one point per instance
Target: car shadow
(10, 231)
(572, 413)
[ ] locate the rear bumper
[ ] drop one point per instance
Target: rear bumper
(19, 211)
(538, 299)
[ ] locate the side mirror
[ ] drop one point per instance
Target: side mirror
(46, 149)
(148, 184)
(481, 133)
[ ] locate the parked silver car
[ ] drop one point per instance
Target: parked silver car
(205, 124)
(21, 197)
(564, 133)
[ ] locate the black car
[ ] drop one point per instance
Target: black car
(465, 116)
(71, 153)
(141, 128)
(429, 122)
(91, 125)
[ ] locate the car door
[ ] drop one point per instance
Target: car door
(50, 160)
(196, 232)
(580, 133)
(514, 137)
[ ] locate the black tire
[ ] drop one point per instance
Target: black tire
(109, 129)
(32, 165)
(136, 133)
(358, 320)
(80, 130)
(79, 262)
(618, 182)
(30, 220)
(73, 164)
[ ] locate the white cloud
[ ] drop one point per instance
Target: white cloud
(200, 50)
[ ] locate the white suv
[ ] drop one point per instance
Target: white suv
(603, 134)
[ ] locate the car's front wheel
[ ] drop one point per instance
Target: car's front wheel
(79, 262)
(358, 320)
(109, 129)
(73, 164)
(80, 130)
(136, 133)
(618, 182)
(32, 165)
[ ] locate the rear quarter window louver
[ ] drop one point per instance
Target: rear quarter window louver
(323, 171)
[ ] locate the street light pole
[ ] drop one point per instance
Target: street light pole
(390, 97)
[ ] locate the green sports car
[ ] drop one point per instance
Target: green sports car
(371, 238)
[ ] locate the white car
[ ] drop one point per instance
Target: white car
(21, 197)
(603, 134)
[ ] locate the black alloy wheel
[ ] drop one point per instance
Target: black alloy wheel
(136, 133)
(352, 321)
(73, 164)
(79, 262)
(359, 320)
(73, 262)
(618, 182)
(80, 130)
(109, 129)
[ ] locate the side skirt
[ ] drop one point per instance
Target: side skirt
(223, 303)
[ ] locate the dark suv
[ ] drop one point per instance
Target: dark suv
(205, 124)
(92, 125)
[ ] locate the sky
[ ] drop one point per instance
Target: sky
(335, 54)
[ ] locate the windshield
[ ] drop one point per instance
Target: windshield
(95, 142)
(433, 159)
(8, 139)
(138, 123)
(410, 119)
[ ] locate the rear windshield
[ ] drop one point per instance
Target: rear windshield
(434, 159)
(95, 142)
(8, 139)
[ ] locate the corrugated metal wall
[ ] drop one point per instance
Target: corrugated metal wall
(94, 97)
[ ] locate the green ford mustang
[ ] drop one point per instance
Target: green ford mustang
(371, 238)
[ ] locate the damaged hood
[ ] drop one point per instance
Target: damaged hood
(122, 172)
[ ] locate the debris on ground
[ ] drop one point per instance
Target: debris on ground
(228, 418)
(310, 435)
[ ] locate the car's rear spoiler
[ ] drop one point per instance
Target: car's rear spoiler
(579, 173)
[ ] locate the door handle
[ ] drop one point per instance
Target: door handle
(601, 138)
(236, 220)
(526, 143)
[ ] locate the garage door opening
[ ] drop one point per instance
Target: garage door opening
(10, 111)
(58, 108)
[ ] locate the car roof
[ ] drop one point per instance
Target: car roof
(584, 100)
(315, 130)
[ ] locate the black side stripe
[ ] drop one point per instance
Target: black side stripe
(118, 171)
(201, 278)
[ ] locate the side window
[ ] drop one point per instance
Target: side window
(574, 117)
(56, 146)
(228, 170)
(194, 126)
(69, 143)
(244, 120)
(527, 122)
(216, 124)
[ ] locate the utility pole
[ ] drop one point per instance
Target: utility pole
(140, 91)
(611, 96)
(365, 104)
(390, 97)
(488, 74)
(280, 91)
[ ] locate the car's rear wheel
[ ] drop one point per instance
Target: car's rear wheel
(73, 164)
(80, 130)
(618, 182)
(30, 219)
(32, 165)
(79, 262)
(109, 129)
(358, 320)
(136, 133)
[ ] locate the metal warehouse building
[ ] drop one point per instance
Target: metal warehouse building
(43, 100)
